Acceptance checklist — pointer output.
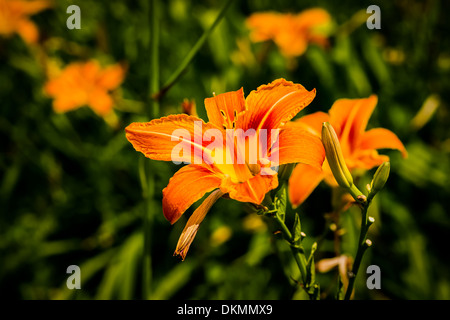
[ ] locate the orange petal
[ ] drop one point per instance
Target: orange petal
(381, 138)
(291, 44)
(193, 224)
(302, 182)
(365, 159)
(30, 7)
(252, 190)
(67, 101)
(52, 87)
(111, 77)
(272, 105)
(65, 104)
(101, 102)
(66, 81)
(298, 146)
(264, 25)
(187, 186)
(349, 118)
(90, 71)
(364, 113)
(313, 17)
(223, 109)
(28, 31)
(158, 139)
(311, 123)
(292, 37)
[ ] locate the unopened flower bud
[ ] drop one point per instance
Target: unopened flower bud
(380, 177)
(334, 156)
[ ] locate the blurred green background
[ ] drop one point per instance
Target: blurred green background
(70, 192)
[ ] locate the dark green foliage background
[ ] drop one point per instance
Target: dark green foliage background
(69, 184)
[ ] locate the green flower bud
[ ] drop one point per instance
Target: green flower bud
(334, 156)
(380, 177)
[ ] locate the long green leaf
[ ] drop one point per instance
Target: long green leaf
(195, 49)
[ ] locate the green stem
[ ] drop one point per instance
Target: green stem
(146, 166)
(154, 85)
(190, 56)
(355, 21)
(297, 253)
(362, 245)
(148, 226)
(356, 194)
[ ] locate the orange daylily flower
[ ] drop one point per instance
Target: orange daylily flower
(349, 118)
(291, 32)
(14, 18)
(85, 83)
(268, 107)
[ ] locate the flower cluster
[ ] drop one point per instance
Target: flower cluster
(271, 106)
(237, 153)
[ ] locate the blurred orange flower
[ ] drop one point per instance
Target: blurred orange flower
(291, 32)
(268, 107)
(85, 83)
(349, 118)
(14, 18)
